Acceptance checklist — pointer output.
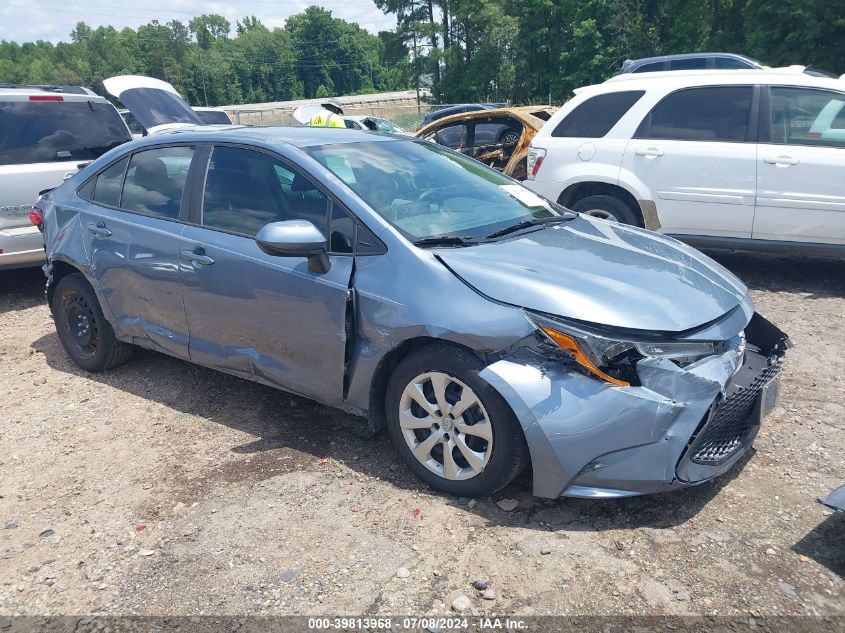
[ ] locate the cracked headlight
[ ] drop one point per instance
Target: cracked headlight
(606, 356)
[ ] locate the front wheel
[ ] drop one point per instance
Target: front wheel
(82, 328)
(449, 426)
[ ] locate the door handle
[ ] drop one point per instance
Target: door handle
(198, 257)
(780, 161)
(99, 229)
(648, 152)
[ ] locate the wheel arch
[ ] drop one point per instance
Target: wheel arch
(59, 269)
(580, 190)
(381, 376)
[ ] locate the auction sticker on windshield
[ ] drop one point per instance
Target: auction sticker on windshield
(525, 196)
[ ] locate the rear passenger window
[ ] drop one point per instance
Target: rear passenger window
(155, 181)
(728, 63)
(806, 116)
(695, 63)
(244, 190)
(46, 131)
(108, 183)
(718, 113)
(596, 116)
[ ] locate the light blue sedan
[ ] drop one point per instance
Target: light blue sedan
(484, 327)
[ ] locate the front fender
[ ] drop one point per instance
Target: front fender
(569, 419)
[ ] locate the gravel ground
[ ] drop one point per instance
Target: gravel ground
(165, 488)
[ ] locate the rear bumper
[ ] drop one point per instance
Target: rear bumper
(681, 427)
(21, 246)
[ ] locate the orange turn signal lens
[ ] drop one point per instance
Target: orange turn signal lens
(568, 343)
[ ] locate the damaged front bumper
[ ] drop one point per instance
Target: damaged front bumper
(679, 427)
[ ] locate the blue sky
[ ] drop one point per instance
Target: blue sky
(53, 20)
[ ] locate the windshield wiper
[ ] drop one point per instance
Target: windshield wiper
(527, 224)
(445, 240)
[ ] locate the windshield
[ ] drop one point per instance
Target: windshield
(50, 131)
(425, 190)
(383, 125)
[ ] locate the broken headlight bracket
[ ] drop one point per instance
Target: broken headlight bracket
(612, 357)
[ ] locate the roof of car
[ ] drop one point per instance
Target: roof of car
(299, 136)
(665, 58)
(46, 88)
(67, 93)
(791, 75)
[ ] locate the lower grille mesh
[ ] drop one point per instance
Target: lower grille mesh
(731, 423)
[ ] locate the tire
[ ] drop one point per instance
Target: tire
(607, 207)
(509, 137)
(495, 461)
(82, 328)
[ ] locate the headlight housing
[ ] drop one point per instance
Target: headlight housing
(607, 356)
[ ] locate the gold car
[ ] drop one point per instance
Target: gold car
(499, 138)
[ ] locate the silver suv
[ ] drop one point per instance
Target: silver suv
(46, 132)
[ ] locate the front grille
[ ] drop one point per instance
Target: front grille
(731, 423)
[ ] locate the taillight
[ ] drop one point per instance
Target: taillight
(46, 98)
(35, 218)
(535, 159)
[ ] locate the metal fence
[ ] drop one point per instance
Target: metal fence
(407, 115)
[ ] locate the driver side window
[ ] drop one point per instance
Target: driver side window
(245, 189)
(452, 136)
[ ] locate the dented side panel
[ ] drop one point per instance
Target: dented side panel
(131, 262)
(415, 297)
(135, 266)
(264, 317)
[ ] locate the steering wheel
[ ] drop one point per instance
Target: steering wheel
(438, 193)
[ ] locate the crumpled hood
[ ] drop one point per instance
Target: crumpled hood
(601, 272)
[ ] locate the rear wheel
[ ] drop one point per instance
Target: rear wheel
(83, 330)
(607, 207)
(449, 426)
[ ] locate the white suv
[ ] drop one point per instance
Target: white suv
(734, 159)
(46, 132)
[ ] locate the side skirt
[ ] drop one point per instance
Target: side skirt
(776, 247)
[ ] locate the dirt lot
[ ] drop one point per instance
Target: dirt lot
(162, 487)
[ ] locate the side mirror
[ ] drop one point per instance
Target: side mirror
(295, 238)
